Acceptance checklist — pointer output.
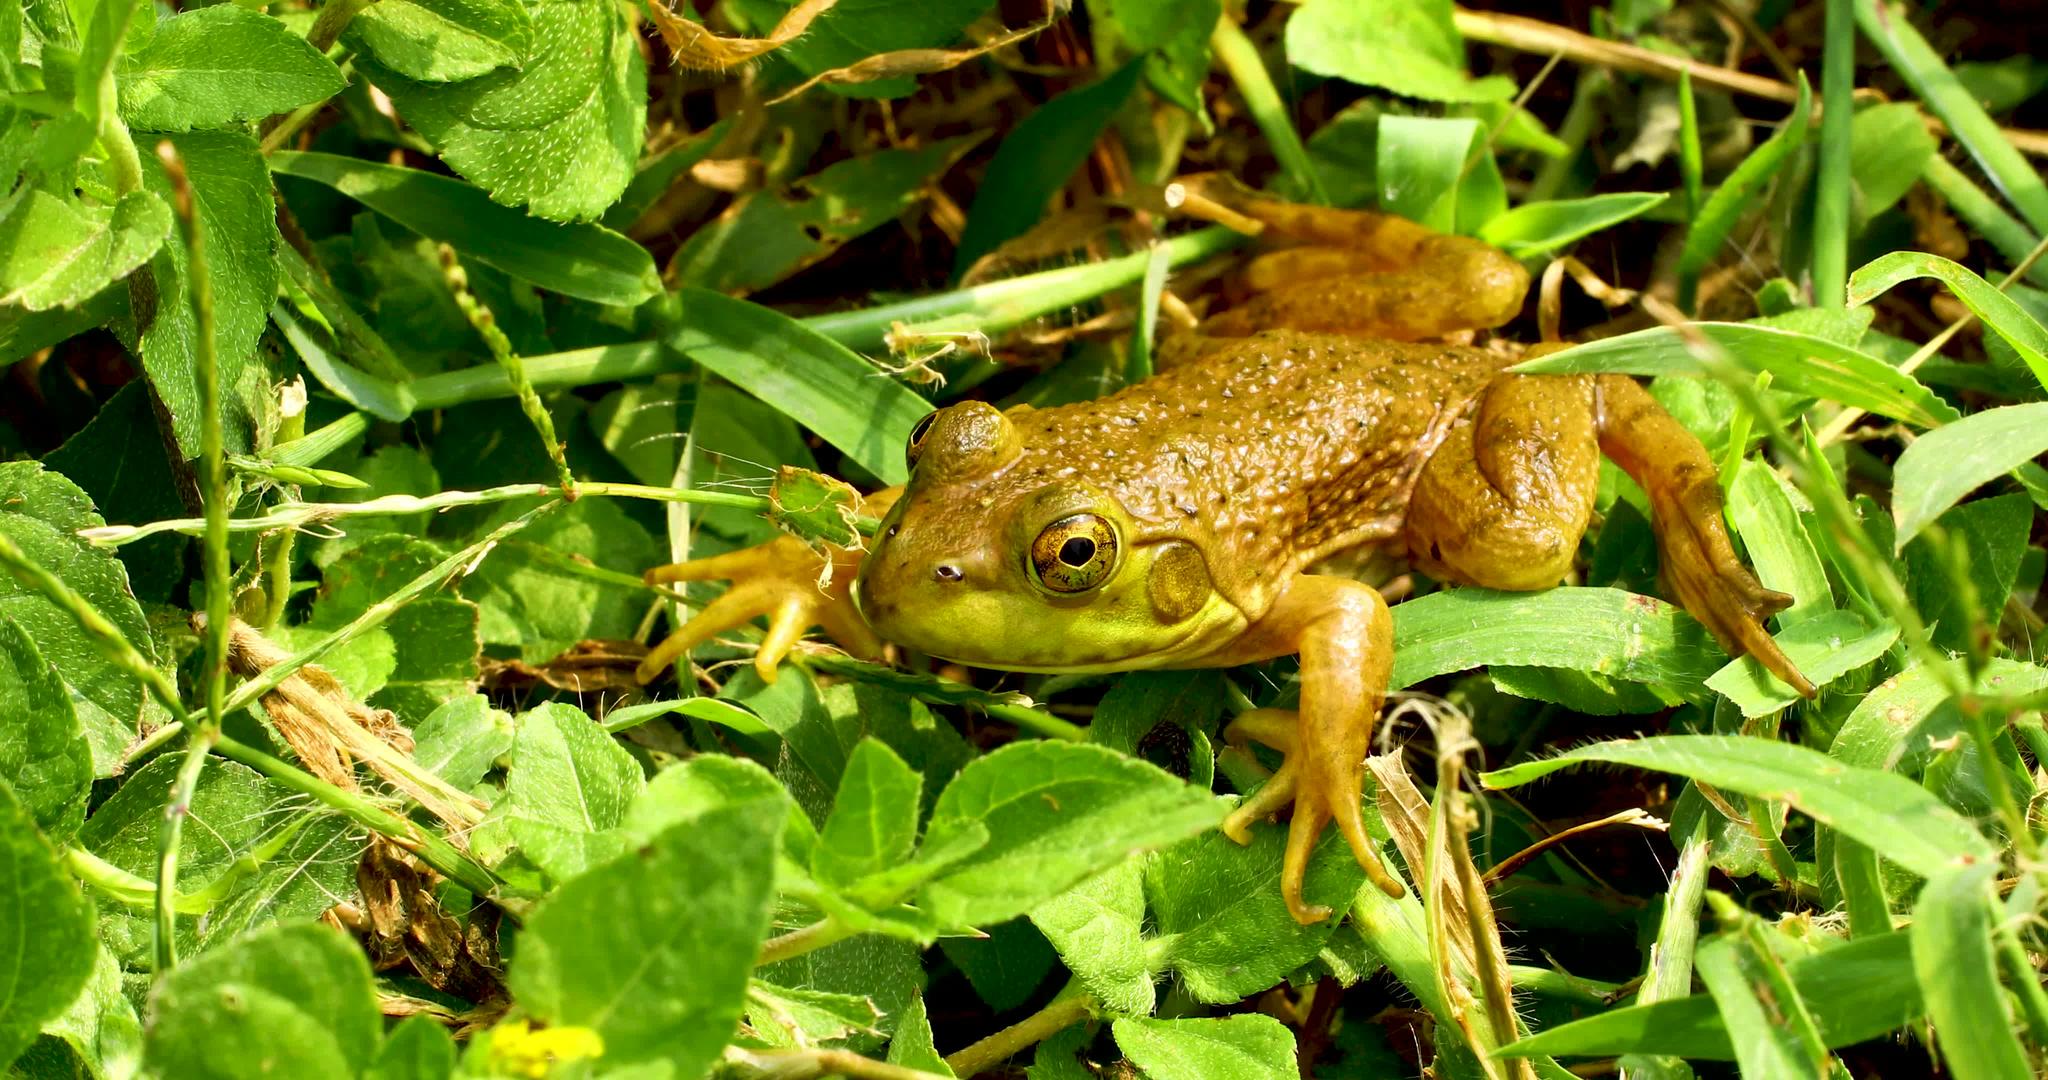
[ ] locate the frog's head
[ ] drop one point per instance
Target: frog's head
(993, 565)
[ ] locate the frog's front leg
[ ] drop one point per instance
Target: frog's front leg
(778, 579)
(1345, 637)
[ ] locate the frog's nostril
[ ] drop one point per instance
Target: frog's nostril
(947, 572)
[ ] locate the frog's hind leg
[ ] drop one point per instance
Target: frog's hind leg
(1505, 498)
(1697, 560)
(1370, 275)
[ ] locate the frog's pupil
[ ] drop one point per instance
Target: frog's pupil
(1077, 551)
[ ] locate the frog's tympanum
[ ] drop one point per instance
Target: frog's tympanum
(1180, 522)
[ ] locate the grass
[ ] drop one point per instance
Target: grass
(1623, 850)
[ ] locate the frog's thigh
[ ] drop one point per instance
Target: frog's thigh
(1506, 497)
(1372, 275)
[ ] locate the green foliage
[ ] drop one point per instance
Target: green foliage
(558, 870)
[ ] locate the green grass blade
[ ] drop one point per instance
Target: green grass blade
(589, 262)
(1691, 162)
(1825, 648)
(2000, 312)
(1889, 812)
(1138, 367)
(1241, 59)
(1830, 264)
(1035, 161)
(1616, 633)
(1766, 1021)
(1958, 975)
(1892, 32)
(1949, 462)
(1799, 363)
(1780, 549)
(1863, 891)
(810, 378)
(1857, 990)
(1736, 196)
(1983, 215)
(1537, 228)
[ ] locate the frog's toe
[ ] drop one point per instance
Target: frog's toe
(740, 604)
(1310, 816)
(1275, 793)
(1718, 590)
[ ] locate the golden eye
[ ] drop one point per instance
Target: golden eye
(917, 433)
(1074, 554)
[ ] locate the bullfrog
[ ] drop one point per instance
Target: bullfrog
(1182, 522)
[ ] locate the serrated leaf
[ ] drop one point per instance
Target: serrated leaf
(221, 65)
(653, 950)
(444, 40)
(41, 512)
(46, 937)
(1885, 811)
(289, 1001)
(814, 508)
(873, 825)
(793, 1016)
(1098, 929)
(1055, 814)
(561, 135)
(42, 749)
(231, 196)
(911, 1045)
(581, 260)
(1249, 1046)
(534, 594)
(1943, 465)
(57, 252)
(568, 784)
(1220, 923)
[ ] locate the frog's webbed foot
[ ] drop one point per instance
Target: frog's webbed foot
(778, 579)
(1345, 637)
(1697, 560)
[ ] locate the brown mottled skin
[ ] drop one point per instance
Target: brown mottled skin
(1178, 522)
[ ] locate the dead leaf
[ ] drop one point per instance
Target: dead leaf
(693, 46)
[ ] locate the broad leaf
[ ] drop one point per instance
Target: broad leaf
(221, 65)
(46, 938)
(419, 1048)
(290, 1001)
(1249, 1046)
(1619, 634)
(43, 752)
(57, 252)
(652, 951)
(1055, 814)
(444, 40)
(559, 136)
(569, 782)
(1098, 928)
(463, 739)
(1222, 926)
(1537, 228)
(41, 513)
(873, 825)
(1824, 649)
(1407, 46)
(1952, 957)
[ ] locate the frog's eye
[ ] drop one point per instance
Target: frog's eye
(1074, 554)
(917, 433)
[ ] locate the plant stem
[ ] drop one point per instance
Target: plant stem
(827, 931)
(486, 326)
(811, 1064)
(291, 425)
(429, 847)
(175, 812)
(1037, 721)
(315, 447)
(1241, 59)
(128, 889)
(107, 637)
(334, 17)
(376, 613)
(293, 515)
(1030, 1031)
(1830, 265)
(2026, 981)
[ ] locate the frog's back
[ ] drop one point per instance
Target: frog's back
(1275, 450)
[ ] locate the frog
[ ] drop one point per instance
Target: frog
(1337, 408)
